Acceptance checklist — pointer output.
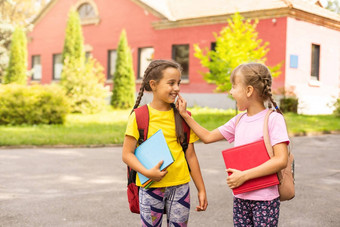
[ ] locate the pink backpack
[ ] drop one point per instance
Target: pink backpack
(286, 175)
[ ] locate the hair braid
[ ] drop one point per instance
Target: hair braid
(267, 92)
(179, 126)
(139, 97)
(274, 103)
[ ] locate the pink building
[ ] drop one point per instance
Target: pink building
(305, 36)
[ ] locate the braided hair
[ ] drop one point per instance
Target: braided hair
(258, 76)
(155, 72)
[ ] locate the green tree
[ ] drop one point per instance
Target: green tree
(73, 44)
(20, 12)
(16, 71)
(82, 80)
(6, 31)
(123, 93)
(236, 43)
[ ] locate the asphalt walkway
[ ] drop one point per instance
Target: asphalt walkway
(87, 186)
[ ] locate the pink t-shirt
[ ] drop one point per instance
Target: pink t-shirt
(250, 129)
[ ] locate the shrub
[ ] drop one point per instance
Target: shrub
(289, 104)
(16, 71)
(82, 80)
(32, 105)
(84, 86)
(123, 93)
(337, 108)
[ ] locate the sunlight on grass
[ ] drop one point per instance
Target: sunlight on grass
(107, 116)
(108, 127)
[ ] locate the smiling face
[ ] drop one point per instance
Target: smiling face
(167, 88)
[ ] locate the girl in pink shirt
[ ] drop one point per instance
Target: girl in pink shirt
(251, 88)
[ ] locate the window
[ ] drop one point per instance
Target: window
(180, 53)
(315, 66)
(36, 67)
(294, 61)
(213, 46)
(111, 66)
(88, 55)
(57, 66)
(86, 11)
(145, 56)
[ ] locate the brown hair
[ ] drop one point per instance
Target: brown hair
(155, 72)
(258, 76)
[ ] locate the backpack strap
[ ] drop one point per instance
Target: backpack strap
(186, 130)
(266, 134)
(142, 119)
(239, 118)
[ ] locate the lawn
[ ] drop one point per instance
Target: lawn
(108, 127)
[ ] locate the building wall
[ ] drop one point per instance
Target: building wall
(315, 97)
(48, 36)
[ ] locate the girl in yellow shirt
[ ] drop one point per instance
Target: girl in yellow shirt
(170, 191)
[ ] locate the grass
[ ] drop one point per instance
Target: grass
(109, 126)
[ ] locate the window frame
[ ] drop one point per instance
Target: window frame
(315, 69)
(90, 20)
(139, 60)
(33, 65)
(110, 77)
(54, 68)
(173, 53)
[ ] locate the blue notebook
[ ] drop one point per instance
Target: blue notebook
(151, 152)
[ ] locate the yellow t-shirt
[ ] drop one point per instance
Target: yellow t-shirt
(178, 172)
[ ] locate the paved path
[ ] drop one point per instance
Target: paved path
(87, 186)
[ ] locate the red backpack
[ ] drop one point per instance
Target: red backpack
(142, 119)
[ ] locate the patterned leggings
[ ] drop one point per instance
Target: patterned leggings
(249, 213)
(175, 200)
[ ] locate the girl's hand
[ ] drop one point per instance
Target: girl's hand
(181, 105)
(236, 179)
(155, 173)
(203, 202)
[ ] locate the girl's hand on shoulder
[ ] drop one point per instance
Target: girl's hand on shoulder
(181, 105)
(236, 179)
(203, 202)
(155, 173)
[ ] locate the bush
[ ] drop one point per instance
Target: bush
(36, 104)
(337, 108)
(84, 86)
(289, 104)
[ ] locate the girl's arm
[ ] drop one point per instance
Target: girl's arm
(205, 135)
(128, 156)
(273, 165)
(197, 177)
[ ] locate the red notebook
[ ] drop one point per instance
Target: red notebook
(246, 157)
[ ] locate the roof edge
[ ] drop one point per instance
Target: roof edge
(150, 9)
(44, 11)
(259, 14)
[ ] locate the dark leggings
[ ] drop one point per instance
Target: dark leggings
(249, 213)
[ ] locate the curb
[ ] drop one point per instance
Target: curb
(314, 133)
